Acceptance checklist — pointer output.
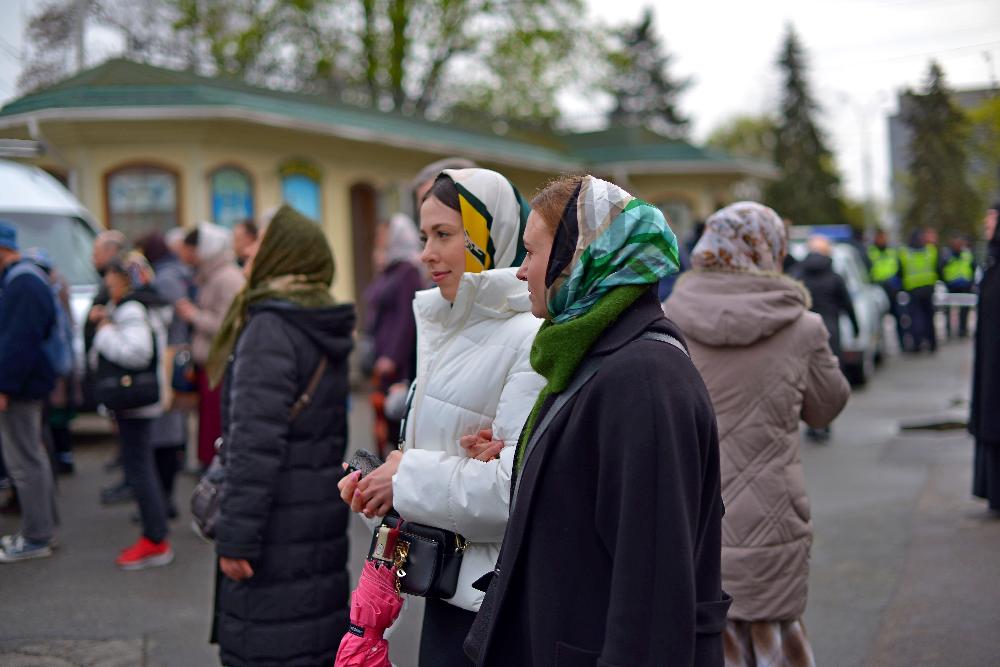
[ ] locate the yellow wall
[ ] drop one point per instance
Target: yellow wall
(196, 148)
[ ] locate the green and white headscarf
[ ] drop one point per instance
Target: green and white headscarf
(607, 238)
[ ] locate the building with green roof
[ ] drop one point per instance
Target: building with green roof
(144, 146)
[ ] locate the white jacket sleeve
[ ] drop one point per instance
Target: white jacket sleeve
(461, 494)
(128, 340)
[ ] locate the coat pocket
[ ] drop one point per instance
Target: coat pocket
(568, 655)
(796, 485)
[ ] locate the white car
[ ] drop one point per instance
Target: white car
(46, 215)
(863, 352)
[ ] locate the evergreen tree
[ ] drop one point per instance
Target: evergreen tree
(808, 189)
(643, 90)
(940, 195)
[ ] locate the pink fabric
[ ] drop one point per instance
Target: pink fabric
(375, 604)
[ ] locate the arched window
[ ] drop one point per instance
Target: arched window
(300, 188)
(232, 196)
(142, 197)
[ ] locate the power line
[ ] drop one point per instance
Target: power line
(908, 56)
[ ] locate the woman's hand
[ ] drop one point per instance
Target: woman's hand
(348, 486)
(481, 446)
(236, 569)
(376, 488)
(185, 310)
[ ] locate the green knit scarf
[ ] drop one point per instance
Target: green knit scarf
(559, 349)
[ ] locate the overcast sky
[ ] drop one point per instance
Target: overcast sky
(862, 53)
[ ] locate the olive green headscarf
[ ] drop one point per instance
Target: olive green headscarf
(293, 264)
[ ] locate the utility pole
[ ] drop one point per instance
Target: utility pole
(79, 32)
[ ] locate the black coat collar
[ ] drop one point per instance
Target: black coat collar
(645, 314)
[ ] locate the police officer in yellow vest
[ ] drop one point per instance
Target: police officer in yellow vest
(918, 264)
(884, 263)
(958, 272)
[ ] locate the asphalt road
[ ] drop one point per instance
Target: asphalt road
(905, 569)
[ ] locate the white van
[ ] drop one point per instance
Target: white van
(48, 216)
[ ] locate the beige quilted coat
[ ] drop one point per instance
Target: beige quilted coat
(767, 364)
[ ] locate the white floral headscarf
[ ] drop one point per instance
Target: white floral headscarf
(745, 236)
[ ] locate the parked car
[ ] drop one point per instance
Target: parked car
(46, 215)
(861, 353)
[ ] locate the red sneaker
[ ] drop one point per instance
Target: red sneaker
(145, 553)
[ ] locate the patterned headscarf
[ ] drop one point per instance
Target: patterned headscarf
(745, 236)
(606, 238)
(494, 215)
(402, 243)
(293, 263)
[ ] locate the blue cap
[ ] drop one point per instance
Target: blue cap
(8, 236)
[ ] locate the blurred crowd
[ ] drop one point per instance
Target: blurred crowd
(565, 396)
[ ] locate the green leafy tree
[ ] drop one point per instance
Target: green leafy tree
(640, 82)
(984, 148)
(751, 137)
(808, 188)
(506, 57)
(940, 194)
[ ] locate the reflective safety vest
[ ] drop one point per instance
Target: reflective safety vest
(960, 267)
(885, 263)
(919, 267)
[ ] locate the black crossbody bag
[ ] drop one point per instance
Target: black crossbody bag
(119, 388)
(429, 558)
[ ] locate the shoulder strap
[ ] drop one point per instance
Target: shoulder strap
(24, 267)
(582, 377)
(306, 398)
(665, 338)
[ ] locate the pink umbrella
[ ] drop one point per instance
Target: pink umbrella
(375, 604)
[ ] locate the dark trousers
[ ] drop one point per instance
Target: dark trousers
(168, 460)
(140, 473)
(921, 309)
(963, 313)
(896, 311)
(443, 633)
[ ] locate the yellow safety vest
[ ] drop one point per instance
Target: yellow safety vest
(960, 267)
(919, 267)
(885, 263)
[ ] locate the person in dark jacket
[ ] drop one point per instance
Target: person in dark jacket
(27, 316)
(390, 320)
(830, 297)
(281, 537)
(984, 417)
(173, 281)
(612, 550)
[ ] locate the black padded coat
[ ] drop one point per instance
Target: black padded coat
(281, 510)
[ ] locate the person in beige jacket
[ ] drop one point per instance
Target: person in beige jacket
(767, 363)
(209, 249)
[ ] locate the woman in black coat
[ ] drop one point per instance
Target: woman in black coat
(281, 537)
(612, 550)
(984, 419)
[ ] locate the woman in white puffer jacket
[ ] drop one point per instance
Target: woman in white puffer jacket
(474, 334)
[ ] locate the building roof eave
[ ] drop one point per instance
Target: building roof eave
(694, 168)
(231, 112)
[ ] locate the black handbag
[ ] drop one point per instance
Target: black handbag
(428, 558)
(119, 388)
(206, 499)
